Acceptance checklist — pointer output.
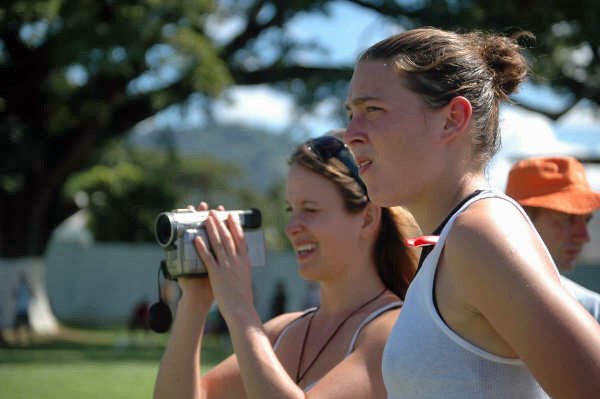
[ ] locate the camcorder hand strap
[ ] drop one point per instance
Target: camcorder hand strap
(159, 315)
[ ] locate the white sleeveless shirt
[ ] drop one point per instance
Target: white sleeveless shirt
(425, 359)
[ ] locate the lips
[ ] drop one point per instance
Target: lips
(573, 253)
(363, 164)
(304, 250)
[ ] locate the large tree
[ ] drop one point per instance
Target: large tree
(77, 73)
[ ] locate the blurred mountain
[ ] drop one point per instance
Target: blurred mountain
(260, 155)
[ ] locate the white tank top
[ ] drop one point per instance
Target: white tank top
(424, 359)
(367, 320)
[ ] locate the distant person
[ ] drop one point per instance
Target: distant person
(353, 249)
(555, 193)
(3, 342)
(22, 324)
(312, 296)
(138, 319)
(279, 300)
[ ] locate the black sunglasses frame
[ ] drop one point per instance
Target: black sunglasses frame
(326, 147)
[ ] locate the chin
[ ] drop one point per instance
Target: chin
(566, 269)
(308, 273)
(379, 198)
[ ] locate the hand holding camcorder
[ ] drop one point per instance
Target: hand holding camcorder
(176, 230)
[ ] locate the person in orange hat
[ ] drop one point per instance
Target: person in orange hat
(555, 193)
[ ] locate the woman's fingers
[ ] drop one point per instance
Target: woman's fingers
(226, 239)
(234, 226)
(203, 206)
(220, 239)
(204, 253)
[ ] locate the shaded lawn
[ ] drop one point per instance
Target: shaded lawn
(79, 363)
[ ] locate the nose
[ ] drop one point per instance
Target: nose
(293, 226)
(353, 134)
(580, 230)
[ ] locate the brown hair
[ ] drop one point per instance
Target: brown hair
(440, 65)
(395, 263)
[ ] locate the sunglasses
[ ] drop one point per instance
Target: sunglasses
(326, 147)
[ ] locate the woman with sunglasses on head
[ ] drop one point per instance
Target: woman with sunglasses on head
(353, 249)
(486, 315)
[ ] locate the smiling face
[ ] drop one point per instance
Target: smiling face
(392, 135)
(323, 233)
(564, 234)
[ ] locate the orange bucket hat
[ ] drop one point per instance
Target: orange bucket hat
(556, 183)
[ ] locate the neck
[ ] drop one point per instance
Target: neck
(335, 298)
(431, 207)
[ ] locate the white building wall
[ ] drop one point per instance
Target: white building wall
(100, 283)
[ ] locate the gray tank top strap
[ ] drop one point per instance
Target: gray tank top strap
(373, 315)
(286, 328)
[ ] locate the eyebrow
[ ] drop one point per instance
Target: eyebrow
(303, 202)
(360, 100)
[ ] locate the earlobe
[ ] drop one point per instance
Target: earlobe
(458, 117)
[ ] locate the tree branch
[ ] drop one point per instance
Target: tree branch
(276, 73)
(385, 8)
(549, 114)
(253, 29)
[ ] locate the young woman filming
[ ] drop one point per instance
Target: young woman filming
(353, 249)
(486, 315)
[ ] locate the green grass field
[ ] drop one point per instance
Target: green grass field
(92, 364)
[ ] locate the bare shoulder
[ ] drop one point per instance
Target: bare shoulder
(375, 333)
(487, 218)
(492, 248)
(275, 326)
(495, 232)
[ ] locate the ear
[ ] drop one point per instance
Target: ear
(458, 116)
(371, 220)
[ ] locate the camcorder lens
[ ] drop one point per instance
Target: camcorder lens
(163, 230)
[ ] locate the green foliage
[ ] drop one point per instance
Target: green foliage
(275, 217)
(126, 191)
(123, 200)
(77, 74)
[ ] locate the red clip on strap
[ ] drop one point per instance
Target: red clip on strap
(421, 241)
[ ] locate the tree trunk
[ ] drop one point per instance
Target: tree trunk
(41, 317)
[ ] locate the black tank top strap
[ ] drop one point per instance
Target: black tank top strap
(427, 249)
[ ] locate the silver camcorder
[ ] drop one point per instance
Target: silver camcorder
(176, 230)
